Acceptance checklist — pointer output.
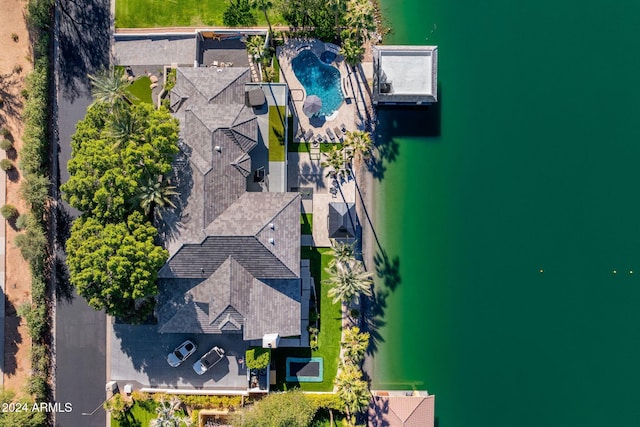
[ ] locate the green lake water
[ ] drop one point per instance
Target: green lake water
(535, 166)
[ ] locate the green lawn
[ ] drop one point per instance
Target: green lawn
(306, 221)
(305, 147)
(182, 13)
(276, 133)
(330, 330)
(140, 88)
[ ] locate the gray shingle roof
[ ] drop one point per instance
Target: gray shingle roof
(342, 219)
(244, 275)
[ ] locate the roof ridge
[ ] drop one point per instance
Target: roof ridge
(227, 86)
(278, 212)
(422, 400)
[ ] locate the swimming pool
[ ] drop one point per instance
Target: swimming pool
(319, 79)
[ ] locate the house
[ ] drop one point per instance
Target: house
(234, 265)
(401, 409)
(405, 75)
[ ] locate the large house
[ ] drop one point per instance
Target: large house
(234, 265)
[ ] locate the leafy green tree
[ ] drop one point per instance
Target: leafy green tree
(288, 409)
(238, 14)
(23, 418)
(117, 406)
(352, 390)
(107, 171)
(354, 345)
(109, 86)
(114, 266)
(339, 8)
(348, 281)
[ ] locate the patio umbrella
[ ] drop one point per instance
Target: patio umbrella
(312, 105)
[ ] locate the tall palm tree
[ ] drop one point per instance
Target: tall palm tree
(348, 281)
(336, 161)
(351, 49)
(359, 142)
(361, 16)
(264, 5)
(109, 86)
(354, 345)
(342, 253)
(155, 195)
(352, 390)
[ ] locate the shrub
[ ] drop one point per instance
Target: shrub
(6, 164)
(9, 211)
(258, 358)
(37, 386)
(31, 245)
(36, 318)
(24, 93)
(17, 68)
(21, 222)
(15, 37)
(6, 144)
(5, 132)
(35, 191)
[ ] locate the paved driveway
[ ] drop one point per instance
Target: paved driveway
(138, 356)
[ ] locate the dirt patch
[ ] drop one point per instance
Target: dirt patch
(15, 64)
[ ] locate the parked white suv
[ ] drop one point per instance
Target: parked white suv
(212, 357)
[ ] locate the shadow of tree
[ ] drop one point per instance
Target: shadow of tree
(12, 154)
(11, 103)
(64, 289)
(13, 174)
(182, 178)
(12, 336)
(84, 42)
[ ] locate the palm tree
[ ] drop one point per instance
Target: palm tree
(354, 345)
(255, 47)
(351, 49)
(341, 253)
(122, 124)
(167, 416)
(109, 86)
(352, 390)
(359, 142)
(348, 281)
(156, 194)
(361, 17)
(264, 5)
(336, 161)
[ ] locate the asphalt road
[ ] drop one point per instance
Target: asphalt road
(82, 45)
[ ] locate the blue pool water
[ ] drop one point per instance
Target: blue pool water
(319, 79)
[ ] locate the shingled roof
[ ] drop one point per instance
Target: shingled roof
(238, 268)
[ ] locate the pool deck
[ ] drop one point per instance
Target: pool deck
(352, 111)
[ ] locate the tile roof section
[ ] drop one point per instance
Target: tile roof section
(402, 411)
